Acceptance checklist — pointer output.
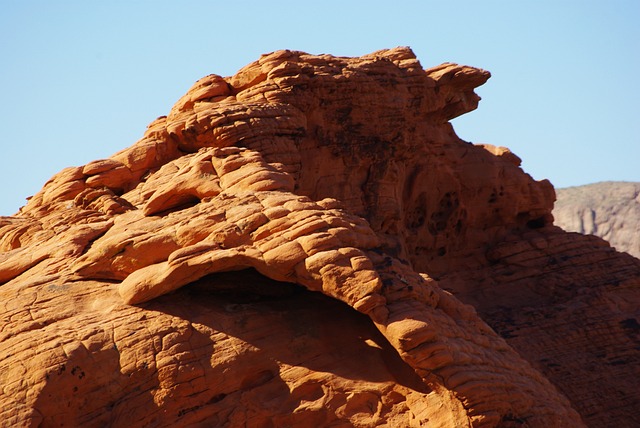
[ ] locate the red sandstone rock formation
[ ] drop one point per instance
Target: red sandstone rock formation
(308, 243)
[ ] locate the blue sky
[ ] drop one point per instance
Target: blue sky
(80, 80)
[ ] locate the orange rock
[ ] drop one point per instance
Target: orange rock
(166, 285)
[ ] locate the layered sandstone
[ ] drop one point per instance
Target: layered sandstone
(308, 243)
(610, 210)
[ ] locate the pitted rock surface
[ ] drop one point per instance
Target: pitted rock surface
(293, 245)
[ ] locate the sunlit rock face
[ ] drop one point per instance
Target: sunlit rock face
(308, 243)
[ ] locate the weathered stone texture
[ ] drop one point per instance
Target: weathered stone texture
(292, 246)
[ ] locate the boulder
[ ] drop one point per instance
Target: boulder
(308, 243)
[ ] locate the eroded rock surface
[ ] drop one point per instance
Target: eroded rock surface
(610, 210)
(293, 245)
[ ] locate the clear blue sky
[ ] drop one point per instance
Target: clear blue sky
(80, 80)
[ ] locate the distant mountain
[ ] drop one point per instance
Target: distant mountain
(610, 210)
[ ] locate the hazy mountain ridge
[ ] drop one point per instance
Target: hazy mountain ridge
(610, 210)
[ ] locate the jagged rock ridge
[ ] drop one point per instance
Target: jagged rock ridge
(610, 210)
(342, 176)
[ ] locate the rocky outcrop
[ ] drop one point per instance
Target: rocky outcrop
(610, 210)
(309, 243)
